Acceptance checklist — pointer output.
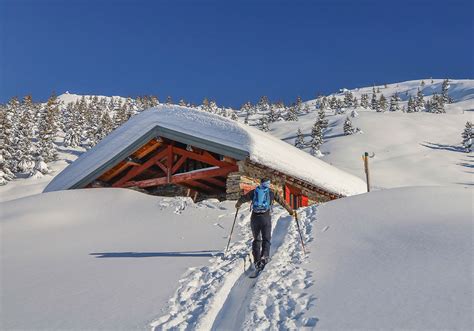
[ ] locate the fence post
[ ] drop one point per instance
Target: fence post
(366, 167)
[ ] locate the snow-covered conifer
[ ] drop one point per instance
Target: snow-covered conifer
(382, 103)
(291, 114)
(263, 123)
(169, 100)
(24, 150)
(394, 106)
(364, 101)
(419, 101)
(411, 108)
(316, 140)
(323, 122)
(348, 128)
(374, 104)
(47, 129)
(467, 136)
(444, 92)
(348, 99)
(299, 141)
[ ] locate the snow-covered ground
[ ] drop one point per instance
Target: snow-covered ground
(394, 258)
(410, 149)
(100, 259)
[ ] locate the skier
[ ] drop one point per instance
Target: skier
(262, 198)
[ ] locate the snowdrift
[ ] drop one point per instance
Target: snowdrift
(194, 126)
(102, 259)
(399, 258)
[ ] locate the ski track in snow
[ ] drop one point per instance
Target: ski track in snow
(222, 297)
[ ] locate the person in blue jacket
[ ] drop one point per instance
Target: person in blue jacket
(262, 198)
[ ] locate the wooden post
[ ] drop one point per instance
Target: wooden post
(366, 167)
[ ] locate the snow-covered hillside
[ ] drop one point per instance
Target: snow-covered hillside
(410, 148)
(399, 257)
(100, 259)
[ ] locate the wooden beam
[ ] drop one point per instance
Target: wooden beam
(169, 162)
(147, 148)
(200, 157)
(138, 170)
(178, 164)
(108, 175)
(162, 166)
(181, 178)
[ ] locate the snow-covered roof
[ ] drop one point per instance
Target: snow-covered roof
(209, 131)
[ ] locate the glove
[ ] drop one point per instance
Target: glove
(294, 213)
(238, 204)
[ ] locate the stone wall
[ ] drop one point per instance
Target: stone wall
(250, 175)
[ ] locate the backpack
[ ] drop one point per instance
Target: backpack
(261, 200)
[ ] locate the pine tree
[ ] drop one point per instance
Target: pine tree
(323, 122)
(444, 92)
(355, 103)
(374, 104)
(291, 114)
(24, 151)
(299, 141)
(419, 101)
(339, 107)
(263, 123)
(382, 103)
(411, 108)
(169, 100)
(205, 105)
(72, 124)
(6, 146)
(182, 103)
(333, 102)
(348, 128)
(422, 84)
(364, 101)
(263, 105)
(348, 99)
(298, 105)
(106, 126)
(40, 169)
(436, 105)
(394, 106)
(316, 139)
(47, 130)
(467, 136)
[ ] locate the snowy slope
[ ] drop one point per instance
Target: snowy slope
(102, 259)
(261, 148)
(67, 97)
(410, 149)
(397, 258)
(371, 264)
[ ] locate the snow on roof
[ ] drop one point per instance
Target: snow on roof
(212, 132)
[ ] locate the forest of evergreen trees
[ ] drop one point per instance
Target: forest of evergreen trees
(32, 132)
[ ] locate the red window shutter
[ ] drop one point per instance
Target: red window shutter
(304, 200)
(287, 194)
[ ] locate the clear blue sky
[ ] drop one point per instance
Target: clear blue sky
(230, 51)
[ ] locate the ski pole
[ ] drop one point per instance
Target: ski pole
(232, 230)
(299, 230)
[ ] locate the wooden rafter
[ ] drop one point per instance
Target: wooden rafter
(178, 164)
(209, 159)
(184, 177)
(147, 149)
(138, 170)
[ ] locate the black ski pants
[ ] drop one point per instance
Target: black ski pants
(261, 225)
